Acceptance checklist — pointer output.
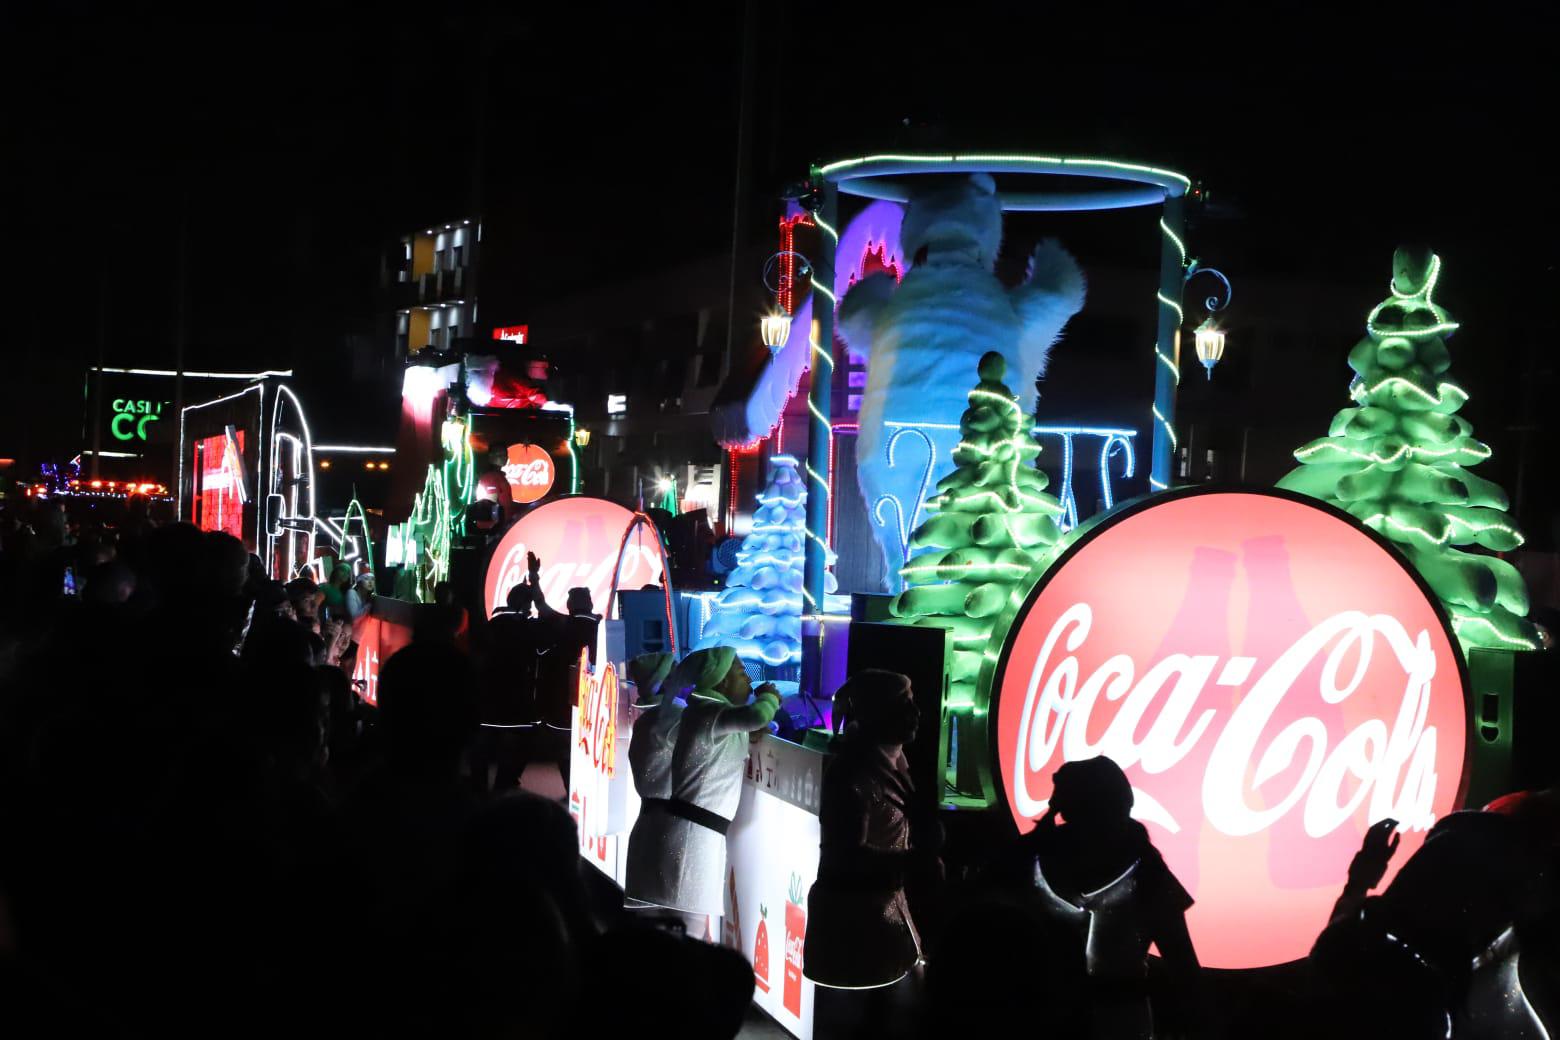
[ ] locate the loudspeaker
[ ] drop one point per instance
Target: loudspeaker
(922, 655)
(1511, 722)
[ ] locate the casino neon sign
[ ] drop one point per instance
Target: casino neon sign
(131, 418)
(1271, 677)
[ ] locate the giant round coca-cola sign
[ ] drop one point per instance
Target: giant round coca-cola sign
(1272, 678)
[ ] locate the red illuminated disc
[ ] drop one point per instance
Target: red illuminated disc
(1272, 679)
(577, 540)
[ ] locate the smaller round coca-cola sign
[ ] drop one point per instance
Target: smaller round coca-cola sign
(530, 472)
(580, 542)
(1271, 677)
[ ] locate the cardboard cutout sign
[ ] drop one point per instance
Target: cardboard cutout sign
(1271, 677)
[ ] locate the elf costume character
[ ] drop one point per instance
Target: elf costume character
(682, 837)
(650, 752)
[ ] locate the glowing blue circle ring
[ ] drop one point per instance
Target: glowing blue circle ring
(889, 177)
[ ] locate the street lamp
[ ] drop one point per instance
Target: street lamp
(1208, 336)
(776, 329)
(582, 437)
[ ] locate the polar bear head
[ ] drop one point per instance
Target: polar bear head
(958, 223)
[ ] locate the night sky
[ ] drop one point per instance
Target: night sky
(293, 149)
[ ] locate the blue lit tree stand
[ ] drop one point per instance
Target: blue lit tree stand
(760, 612)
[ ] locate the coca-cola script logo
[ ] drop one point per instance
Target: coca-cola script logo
(530, 472)
(577, 540)
(1272, 680)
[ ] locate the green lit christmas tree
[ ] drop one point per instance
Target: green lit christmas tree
(1398, 462)
(993, 524)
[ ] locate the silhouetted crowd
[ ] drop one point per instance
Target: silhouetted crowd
(205, 830)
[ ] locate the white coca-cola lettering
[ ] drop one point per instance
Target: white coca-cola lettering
(536, 473)
(1394, 769)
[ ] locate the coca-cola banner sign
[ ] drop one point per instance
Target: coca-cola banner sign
(577, 540)
(1271, 677)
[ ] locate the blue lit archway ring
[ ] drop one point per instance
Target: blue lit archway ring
(889, 177)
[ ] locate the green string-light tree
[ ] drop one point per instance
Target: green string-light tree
(1397, 462)
(993, 524)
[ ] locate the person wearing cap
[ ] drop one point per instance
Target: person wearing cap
(360, 597)
(650, 753)
(683, 840)
(860, 934)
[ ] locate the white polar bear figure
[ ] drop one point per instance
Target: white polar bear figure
(924, 338)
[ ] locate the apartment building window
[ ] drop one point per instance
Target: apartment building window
(438, 260)
(457, 256)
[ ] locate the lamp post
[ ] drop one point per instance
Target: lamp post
(1208, 336)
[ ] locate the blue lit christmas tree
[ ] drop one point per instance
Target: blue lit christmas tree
(760, 612)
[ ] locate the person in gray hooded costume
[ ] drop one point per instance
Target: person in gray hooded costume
(682, 838)
(650, 755)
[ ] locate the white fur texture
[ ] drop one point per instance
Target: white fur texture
(923, 339)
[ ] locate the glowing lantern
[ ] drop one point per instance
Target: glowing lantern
(1210, 344)
(775, 329)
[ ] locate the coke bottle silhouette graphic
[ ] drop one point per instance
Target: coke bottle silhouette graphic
(1201, 626)
(1276, 620)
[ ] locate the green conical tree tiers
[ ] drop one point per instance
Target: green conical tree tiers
(1398, 462)
(992, 524)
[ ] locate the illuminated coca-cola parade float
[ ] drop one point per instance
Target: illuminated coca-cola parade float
(1275, 669)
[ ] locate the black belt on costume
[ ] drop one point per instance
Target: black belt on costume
(690, 812)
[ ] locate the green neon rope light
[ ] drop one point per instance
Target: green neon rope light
(1169, 431)
(1172, 236)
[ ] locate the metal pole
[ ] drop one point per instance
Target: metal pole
(180, 322)
(96, 396)
(739, 192)
(820, 394)
(1167, 340)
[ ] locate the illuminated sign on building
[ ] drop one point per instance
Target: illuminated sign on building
(131, 418)
(530, 472)
(513, 333)
(1272, 678)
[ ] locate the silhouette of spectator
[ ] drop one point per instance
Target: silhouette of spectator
(400, 840)
(1097, 873)
(109, 583)
(1000, 959)
(569, 635)
(1404, 959)
(335, 592)
(509, 708)
(696, 992)
(861, 940)
(454, 619)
